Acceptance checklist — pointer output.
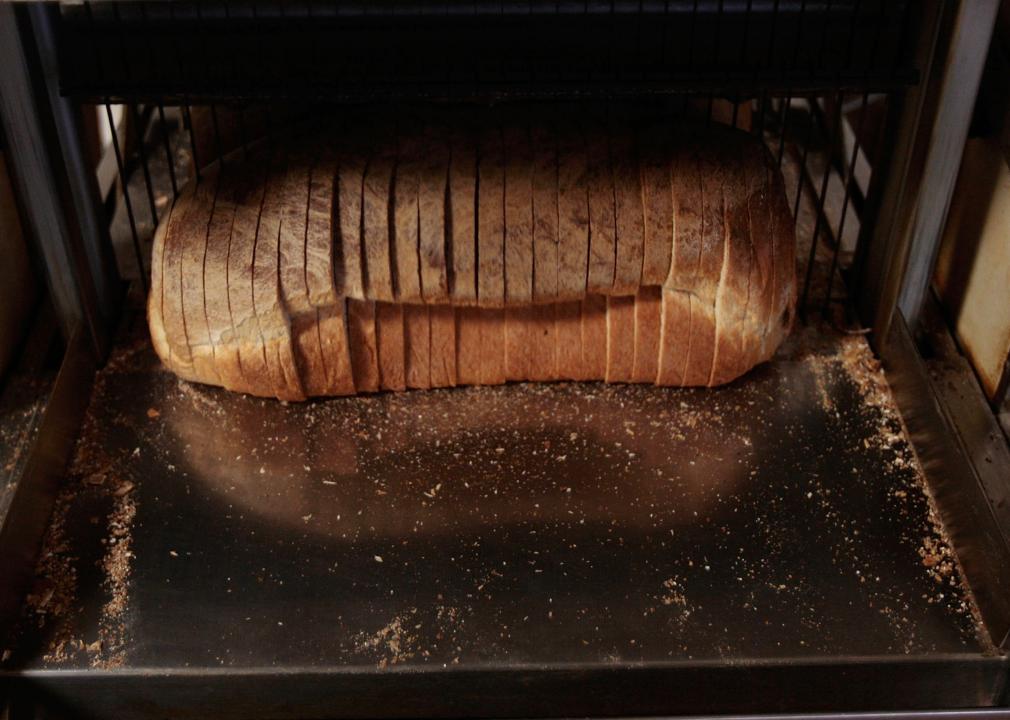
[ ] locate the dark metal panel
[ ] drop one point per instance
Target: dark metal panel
(53, 184)
(967, 470)
(965, 61)
(199, 52)
(516, 692)
(32, 494)
(882, 253)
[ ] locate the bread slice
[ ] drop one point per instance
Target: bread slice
(734, 286)
(518, 213)
(246, 333)
(675, 338)
(491, 218)
(432, 194)
(351, 165)
(542, 347)
(461, 215)
(492, 345)
(194, 223)
(418, 340)
(573, 214)
(268, 302)
(442, 319)
(602, 212)
(657, 202)
(545, 212)
(648, 304)
(215, 273)
(518, 342)
(392, 346)
(407, 238)
(364, 345)
(468, 346)
(568, 341)
(630, 214)
(709, 274)
(378, 272)
(620, 338)
(294, 271)
(321, 261)
(594, 337)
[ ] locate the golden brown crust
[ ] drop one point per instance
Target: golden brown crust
(518, 214)
(406, 230)
(602, 217)
(518, 343)
(392, 346)
(417, 333)
(545, 213)
(443, 345)
(461, 215)
(378, 271)
(594, 337)
(491, 219)
(431, 200)
(573, 215)
(568, 340)
(630, 214)
(647, 316)
(657, 202)
(620, 338)
(364, 346)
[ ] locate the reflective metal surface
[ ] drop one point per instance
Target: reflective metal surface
(541, 550)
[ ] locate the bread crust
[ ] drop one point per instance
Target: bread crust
(518, 213)
(491, 218)
(391, 341)
(573, 215)
(442, 319)
(378, 261)
(462, 214)
(545, 212)
(432, 195)
(648, 304)
(602, 212)
(620, 338)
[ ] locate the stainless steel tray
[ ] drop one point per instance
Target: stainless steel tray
(518, 550)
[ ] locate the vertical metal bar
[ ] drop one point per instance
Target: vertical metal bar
(188, 119)
(848, 179)
(803, 163)
(124, 179)
(968, 52)
(169, 157)
(53, 177)
(835, 132)
(141, 140)
(784, 126)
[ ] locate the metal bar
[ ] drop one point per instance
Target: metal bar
(848, 178)
(835, 131)
(966, 60)
(47, 165)
(124, 179)
(169, 157)
(142, 142)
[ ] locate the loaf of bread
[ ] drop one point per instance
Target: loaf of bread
(476, 251)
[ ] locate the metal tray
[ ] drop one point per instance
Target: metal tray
(522, 550)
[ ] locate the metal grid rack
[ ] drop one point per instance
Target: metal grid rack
(837, 89)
